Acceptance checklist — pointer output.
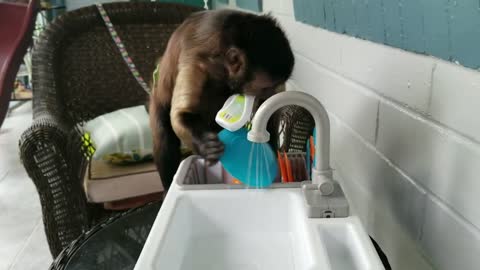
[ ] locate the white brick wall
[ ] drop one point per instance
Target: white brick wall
(405, 141)
(450, 241)
(359, 110)
(438, 160)
(456, 99)
(388, 71)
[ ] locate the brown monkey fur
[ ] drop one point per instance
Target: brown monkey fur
(211, 56)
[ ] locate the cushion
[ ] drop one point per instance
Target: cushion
(122, 136)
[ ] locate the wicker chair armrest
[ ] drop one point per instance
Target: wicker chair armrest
(45, 155)
(48, 107)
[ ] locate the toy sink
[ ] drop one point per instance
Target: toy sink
(204, 224)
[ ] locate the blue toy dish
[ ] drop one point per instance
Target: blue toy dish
(254, 164)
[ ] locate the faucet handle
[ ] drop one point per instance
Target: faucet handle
(322, 181)
(320, 206)
(326, 188)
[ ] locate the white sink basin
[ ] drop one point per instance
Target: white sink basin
(241, 229)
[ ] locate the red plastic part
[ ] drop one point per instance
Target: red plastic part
(16, 28)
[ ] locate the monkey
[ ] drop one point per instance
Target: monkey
(209, 57)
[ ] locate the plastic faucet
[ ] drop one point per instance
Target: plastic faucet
(321, 171)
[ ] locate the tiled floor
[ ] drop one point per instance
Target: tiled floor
(23, 245)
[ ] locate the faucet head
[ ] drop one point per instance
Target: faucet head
(258, 136)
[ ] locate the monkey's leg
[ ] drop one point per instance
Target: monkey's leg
(167, 153)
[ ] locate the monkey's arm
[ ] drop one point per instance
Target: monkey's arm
(187, 121)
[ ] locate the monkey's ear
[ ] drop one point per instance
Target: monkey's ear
(235, 61)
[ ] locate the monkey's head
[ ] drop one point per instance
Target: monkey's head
(258, 57)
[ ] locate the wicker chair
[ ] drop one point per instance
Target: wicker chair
(79, 74)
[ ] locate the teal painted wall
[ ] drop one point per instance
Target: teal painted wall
(448, 29)
(254, 5)
(198, 3)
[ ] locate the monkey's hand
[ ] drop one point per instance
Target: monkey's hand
(209, 147)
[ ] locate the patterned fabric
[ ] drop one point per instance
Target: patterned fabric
(122, 49)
